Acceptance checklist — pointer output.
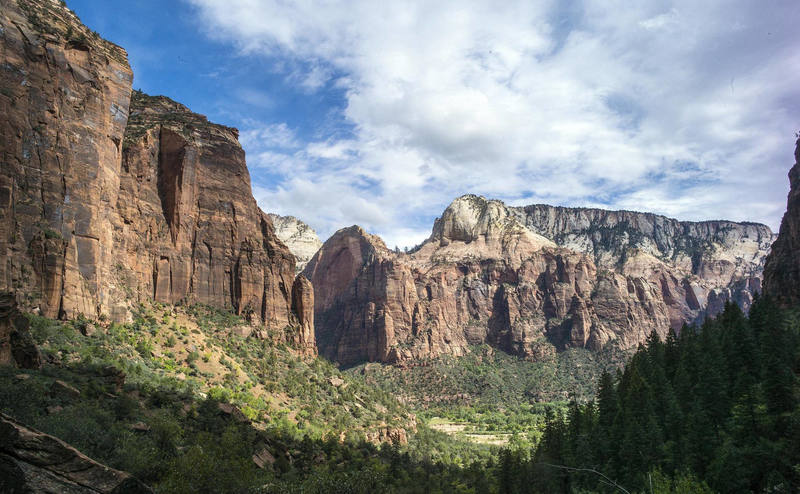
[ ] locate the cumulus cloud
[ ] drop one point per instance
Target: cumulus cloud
(679, 107)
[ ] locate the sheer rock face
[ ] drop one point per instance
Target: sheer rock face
(188, 228)
(98, 210)
(782, 270)
(64, 99)
(301, 239)
(486, 275)
(31, 461)
(362, 292)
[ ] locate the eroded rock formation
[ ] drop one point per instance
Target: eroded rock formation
(782, 270)
(31, 461)
(301, 239)
(303, 306)
(99, 210)
(529, 281)
(188, 227)
(361, 291)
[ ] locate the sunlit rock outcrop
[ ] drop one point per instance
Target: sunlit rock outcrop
(109, 197)
(530, 281)
(301, 239)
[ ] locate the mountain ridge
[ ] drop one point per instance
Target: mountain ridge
(486, 276)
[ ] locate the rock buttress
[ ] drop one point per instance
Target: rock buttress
(782, 270)
(99, 210)
(189, 229)
(303, 307)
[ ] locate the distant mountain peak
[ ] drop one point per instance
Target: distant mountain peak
(300, 238)
(529, 280)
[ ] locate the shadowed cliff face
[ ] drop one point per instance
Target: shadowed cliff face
(107, 198)
(782, 270)
(360, 293)
(530, 281)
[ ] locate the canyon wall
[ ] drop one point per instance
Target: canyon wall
(109, 197)
(187, 227)
(64, 96)
(530, 281)
(782, 270)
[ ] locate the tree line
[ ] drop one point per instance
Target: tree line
(711, 408)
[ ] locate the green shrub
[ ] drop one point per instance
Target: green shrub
(145, 348)
(52, 234)
(125, 406)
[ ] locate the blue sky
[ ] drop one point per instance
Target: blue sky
(380, 113)
(171, 55)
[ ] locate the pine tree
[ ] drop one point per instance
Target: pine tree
(716, 404)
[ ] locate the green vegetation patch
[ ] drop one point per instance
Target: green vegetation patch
(119, 394)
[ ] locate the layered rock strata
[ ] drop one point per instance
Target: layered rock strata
(529, 281)
(301, 239)
(108, 198)
(782, 270)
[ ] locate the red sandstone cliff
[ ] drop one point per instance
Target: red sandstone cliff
(486, 276)
(782, 270)
(188, 228)
(99, 210)
(64, 96)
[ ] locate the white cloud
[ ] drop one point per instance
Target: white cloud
(268, 136)
(331, 150)
(315, 77)
(661, 21)
(603, 104)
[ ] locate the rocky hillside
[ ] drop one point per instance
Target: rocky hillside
(301, 239)
(782, 270)
(109, 198)
(31, 461)
(183, 399)
(530, 281)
